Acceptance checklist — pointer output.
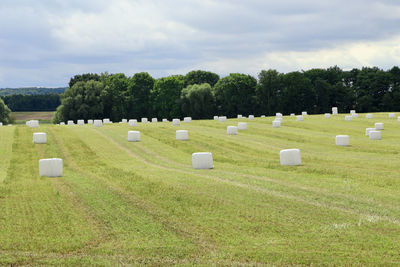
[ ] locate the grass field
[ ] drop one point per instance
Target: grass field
(122, 203)
(42, 116)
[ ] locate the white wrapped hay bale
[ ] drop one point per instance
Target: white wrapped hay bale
(89, 121)
(216, 118)
(342, 140)
(182, 135)
(187, 119)
(398, 119)
(39, 138)
(368, 116)
(62, 123)
(232, 130)
(133, 136)
(278, 115)
(348, 118)
(222, 118)
(379, 126)
(292, 114)
(290, 157)
(251, 117)
(299, 118)
(242, 126)
(124, 120)
(334, 110)
(304, 113)
(202, 160)
(239, 116)
(81, 122)
(164, 120)
(327, 115)
(97, 123)
(176, 122)
(1, 124)
(392, 115)
(276, 124)
(375, 135)
(132, 122)
(33, 123)
(153, 120)
(144, 120)
(367, 130)
(262, 116)
(106, 121)
(354, 115)
(352, 111)
(51, 167)
(70, 122)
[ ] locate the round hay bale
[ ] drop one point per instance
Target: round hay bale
(144, 120)
(124, 120)
(334, 110)
(398, 119)
(81, 122)
(62, 123)
(392, 115)
(106, 121)
(375, 135)
(70, 122)
(290, 157)
(133, 136)
(97, 123)
(215, 118)
(251, 117)
(39, 138)
(348, 118)
(327, 115)
(276, 124)
(90, 121)
(232, 130)
(379, 126)
(352, 111)
(368, 116)
(176, 122)
(342, 140)
(182, 135)
(1, 124)
(242, 126)
(132, 122)
(52, 167)
(262, 116)
(164, 120)
(299, 118)
(304, 113)
(222, 118)
(278, 115)
(292, 114)
(33, 123)
(367, 130)
(202, 160)
(154, 120)
(187, 119)
(239, 116)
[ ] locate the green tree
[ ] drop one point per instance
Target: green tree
(114, 96)
(298, 93)
(138, 95)
(198, 101)
(83, 78)
(268, 91)
(5, 113)
(200, 77)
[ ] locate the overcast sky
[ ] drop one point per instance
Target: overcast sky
(45, 42)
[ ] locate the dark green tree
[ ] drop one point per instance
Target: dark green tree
(83, 78)
(268, 91)
(200, 77)
(198, 101)
(5, 113)
(138, 96)
(298, 94)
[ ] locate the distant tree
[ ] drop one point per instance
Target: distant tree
(138, 95)
(235, 94)
(83, 78)
(298, 93)
(200, 77)
(114, 96)
(5, 113)
(268, 91)
(165, 96)
(48, 102)
(198, 101)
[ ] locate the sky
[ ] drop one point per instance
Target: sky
(46, 42)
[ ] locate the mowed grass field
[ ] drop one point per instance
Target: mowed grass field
(136, 203)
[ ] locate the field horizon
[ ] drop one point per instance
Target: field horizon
(127, 203)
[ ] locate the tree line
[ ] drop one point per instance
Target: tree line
(202, 94)
(47, 102)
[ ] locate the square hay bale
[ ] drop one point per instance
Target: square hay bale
(251, 117)
(124, 120)
(304, 113)
(70, 122)
(290, 157)
(392, 115)
(348, 118)
(39, 138)
(239, 116)
(232, 130)
(106, 121)
(154, 120)
(182, 135)
(144, 120)
(202, 160)
(97, 123)
(215, 118)
(222, 118)
(242, 126)
(133, 136)
(89, 121)
(299, 118)
(354, 115)
(379, 126)
(334, 110)
(278, 115)
(276, 124)
(375, 135)
(51, 167)
(367, 130)
(81, 122)
(164, 120)
(62, 123)
(342, 140)
(132, 122)
(176, 122)
(368, 116)
(327, 115)
(187, 119)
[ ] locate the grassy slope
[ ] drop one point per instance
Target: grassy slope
(120, 202)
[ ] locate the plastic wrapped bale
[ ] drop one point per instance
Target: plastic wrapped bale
(187, 119)
(89, 121)
(398, 119)
(327, 115)
(367, 130)
(276, 124)
(144, 120)
(51, 167)
(39, 138)
(239, 116)
(106, 121)
(334, 110)
(62, 123)
(70, 122)
(1, 124)
(215, 118)
(242, 126)
(304, 113)
(278, 115)
(375, 135)
(182, 135)
(124, 120)
(222, 118)
(342, 140)
(251, 117)
(352, 111)
(97, 123)
(290, 157)
(33, 123)
(133, 136)
(202, 160)
(392, 115)
(153, 120)
(354, 115)
(379, 126)
(292, 114)
(368, 116)
(81, 122)
(132, 122)
(164, 120)
(348, 118)
(299, 118)
(176, 122)
(232, 130)
(262, 116)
